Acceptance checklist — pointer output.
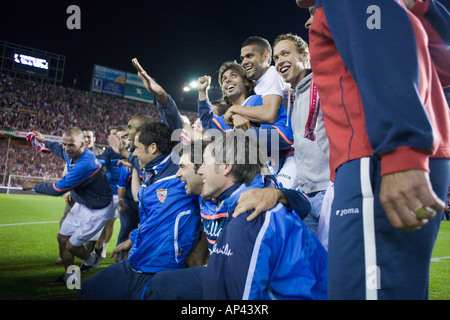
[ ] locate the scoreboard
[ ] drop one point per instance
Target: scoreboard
(30, 62)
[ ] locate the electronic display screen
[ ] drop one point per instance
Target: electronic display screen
(30, 62)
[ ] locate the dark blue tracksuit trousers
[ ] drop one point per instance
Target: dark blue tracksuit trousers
(367, 257)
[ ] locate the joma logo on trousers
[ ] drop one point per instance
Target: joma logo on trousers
(343, 212)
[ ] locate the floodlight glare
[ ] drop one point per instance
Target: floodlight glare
(193, 84)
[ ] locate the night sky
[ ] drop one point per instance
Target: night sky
(176, 41)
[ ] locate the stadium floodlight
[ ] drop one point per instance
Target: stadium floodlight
(193, 84)
(186, 89)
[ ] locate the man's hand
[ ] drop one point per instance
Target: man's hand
(228, 116)
(203, 83)
(124, 162)
(67, 197)
(28, 185)
(150, 84)
(259, 199)
(240, 122)
(39, 137)
(116, 143)
(120, 252)
(121, 205)
(408, 199)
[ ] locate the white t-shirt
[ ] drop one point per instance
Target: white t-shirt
(272, 83)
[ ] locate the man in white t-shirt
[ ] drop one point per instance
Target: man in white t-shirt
(256, 57)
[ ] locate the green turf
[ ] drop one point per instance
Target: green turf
(28, 252)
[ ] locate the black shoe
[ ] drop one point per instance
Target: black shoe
(58, 282)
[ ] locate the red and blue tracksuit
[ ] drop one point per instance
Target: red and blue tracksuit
(385, 111)
(86, 179)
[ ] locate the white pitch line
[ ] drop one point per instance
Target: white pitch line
(25, 223)
(439, 259)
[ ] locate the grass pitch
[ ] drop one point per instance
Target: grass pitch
(28, 249)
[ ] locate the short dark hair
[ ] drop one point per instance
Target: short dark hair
(158, 133)
(262, 45)
(142, 120)
(243, 151)
(89, 129)
(195, 151)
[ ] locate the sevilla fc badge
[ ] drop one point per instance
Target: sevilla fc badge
(162, 195)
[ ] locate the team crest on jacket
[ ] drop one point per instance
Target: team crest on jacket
(162, 195)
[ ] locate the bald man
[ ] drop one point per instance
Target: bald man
(89, 187)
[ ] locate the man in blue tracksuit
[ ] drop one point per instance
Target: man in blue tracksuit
(88, 185)
(274, 256)
(168, 228)
(187, 284)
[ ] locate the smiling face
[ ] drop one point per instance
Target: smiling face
(253, 61)
(212, 174)
(233, 85)
(89, 139)
(186, 173)
(73, 145)
(290, 64)
(144, 155)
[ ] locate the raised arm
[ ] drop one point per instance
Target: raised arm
(167, 107)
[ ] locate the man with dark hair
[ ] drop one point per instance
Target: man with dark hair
(87, 182)
(274, 256)
(132, 128)
(187, 284)
(168, 227)
(127, 206)
(237, 89)
(256, 55)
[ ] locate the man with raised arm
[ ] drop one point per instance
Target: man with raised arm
(89, 188)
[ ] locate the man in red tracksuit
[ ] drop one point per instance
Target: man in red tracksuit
(380, 69)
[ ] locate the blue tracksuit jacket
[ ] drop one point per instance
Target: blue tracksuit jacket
(169, 220)
(86, 180)
(109, 160)
(286, 137)
(274, 256)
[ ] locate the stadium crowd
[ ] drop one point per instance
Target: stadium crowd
(30, 105)
(320, 215)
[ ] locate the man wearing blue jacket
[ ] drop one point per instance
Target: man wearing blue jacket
(168, 228)
(89, 187)
(274, 256)
(186, 284)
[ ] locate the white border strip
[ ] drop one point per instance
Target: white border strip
(254, 257)
(370, 253)
(25, 223)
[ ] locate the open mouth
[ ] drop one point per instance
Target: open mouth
(284, 70)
